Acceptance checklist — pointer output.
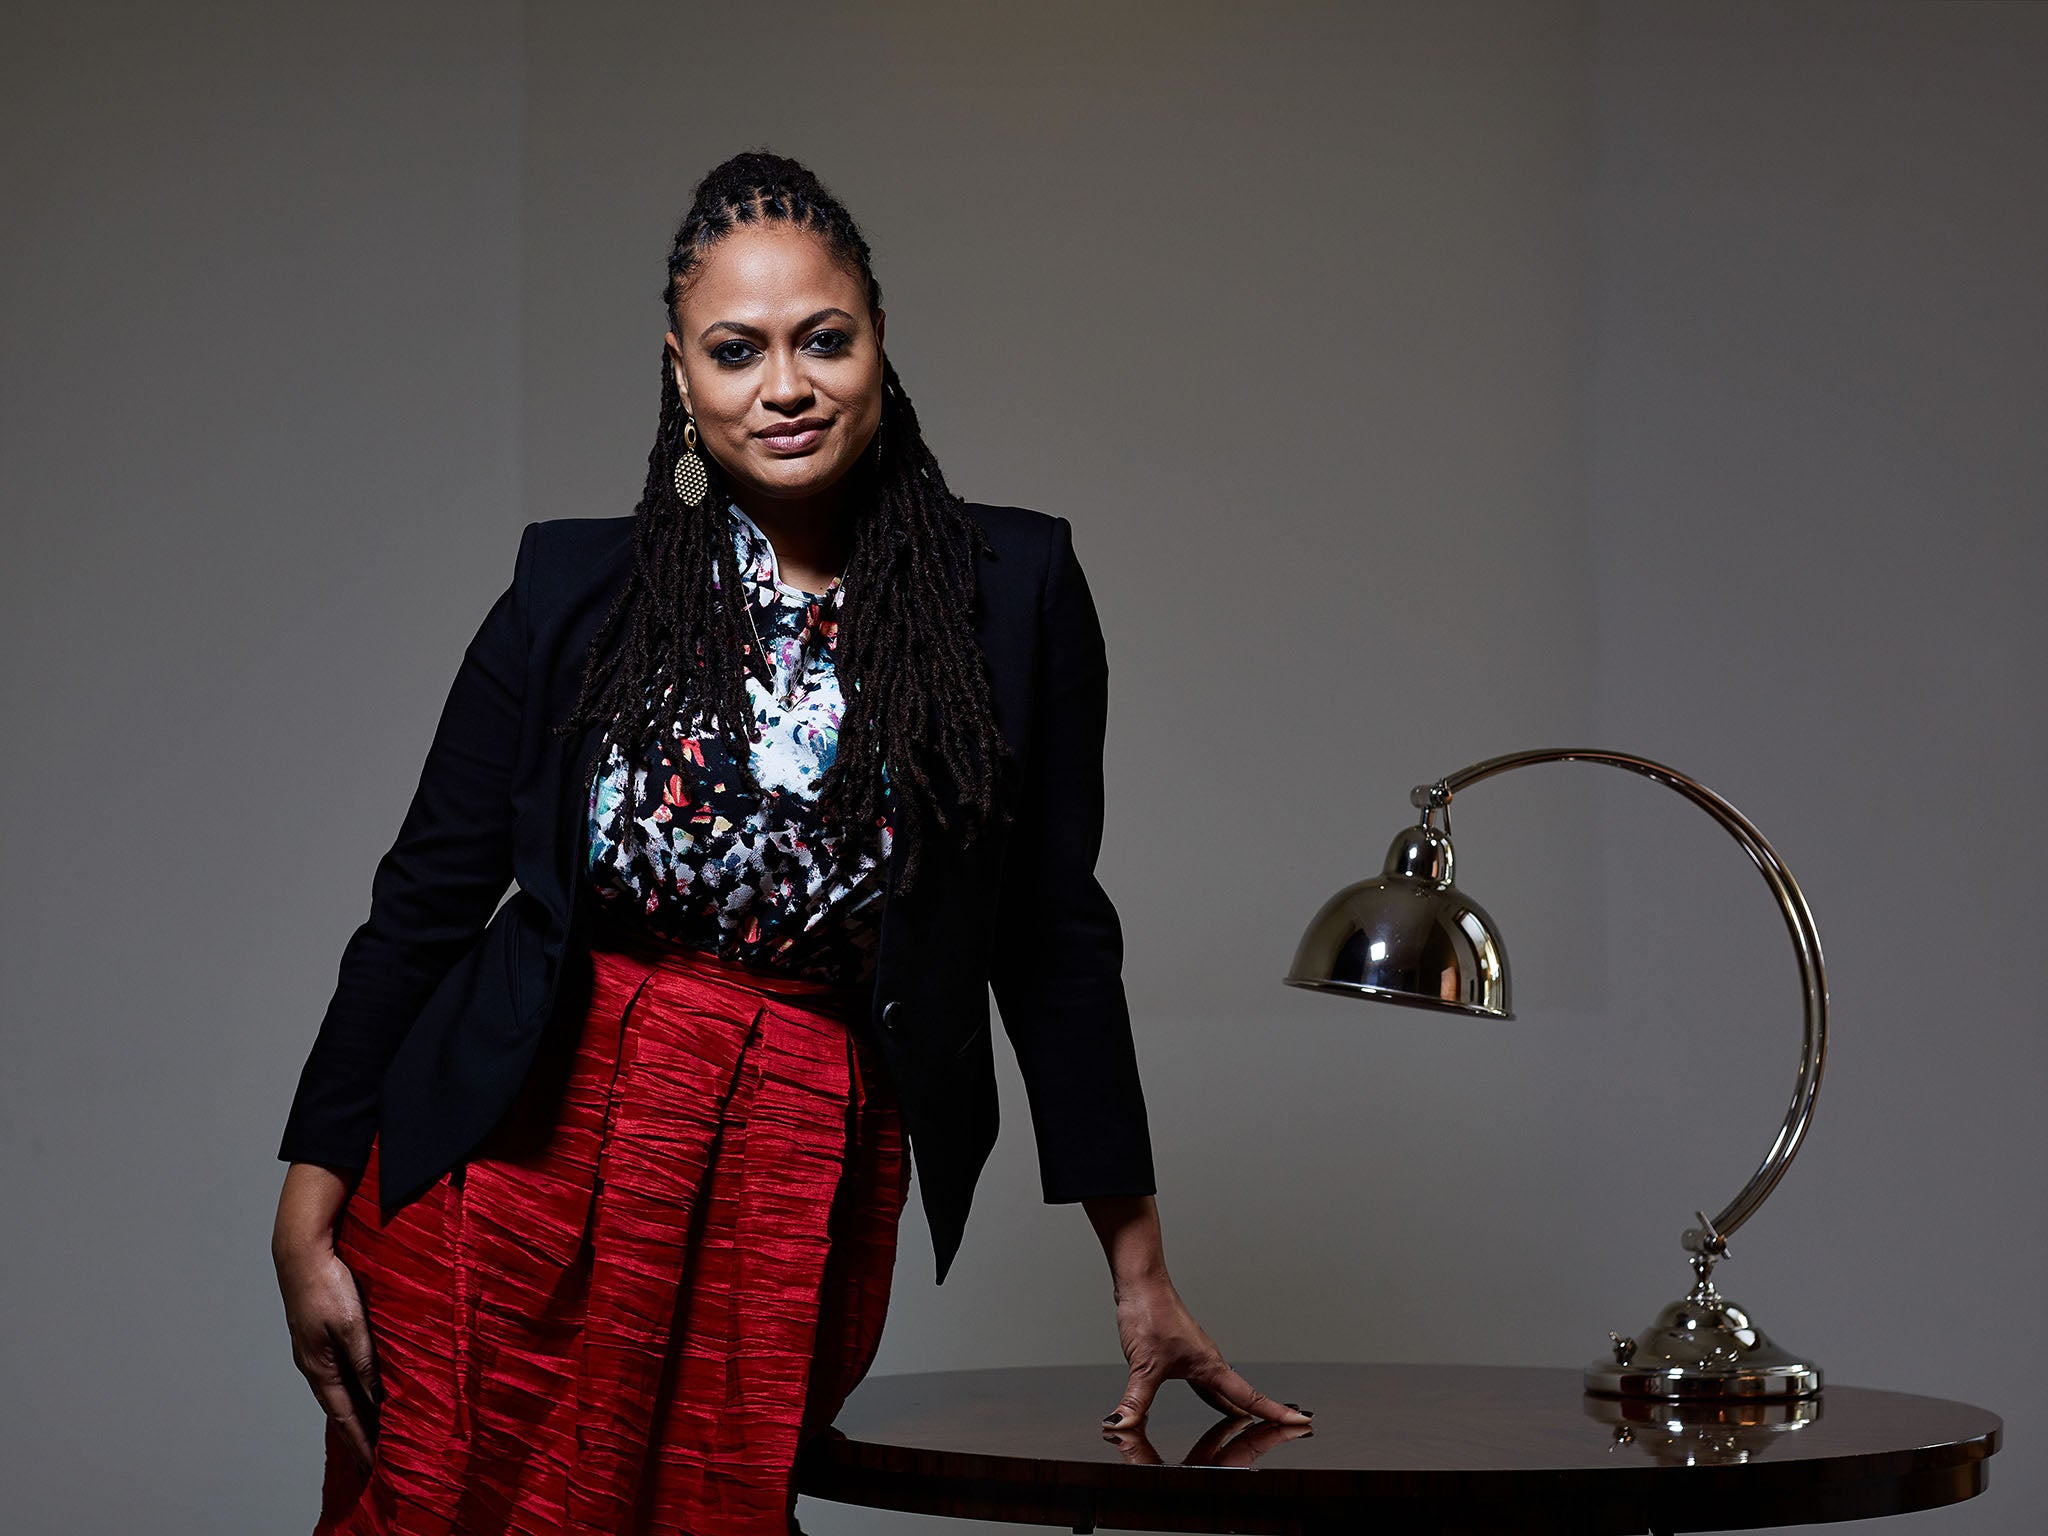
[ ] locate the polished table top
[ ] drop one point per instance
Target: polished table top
(1413, 1447)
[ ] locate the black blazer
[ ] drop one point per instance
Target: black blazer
(443, 993)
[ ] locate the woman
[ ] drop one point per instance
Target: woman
(593, 1197)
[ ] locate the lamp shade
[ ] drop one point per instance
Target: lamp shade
(1409, 936)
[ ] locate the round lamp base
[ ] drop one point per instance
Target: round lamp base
(1703, 1348)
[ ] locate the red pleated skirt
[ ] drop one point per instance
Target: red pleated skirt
(665, 1268)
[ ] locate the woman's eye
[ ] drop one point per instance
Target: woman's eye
(736, 353)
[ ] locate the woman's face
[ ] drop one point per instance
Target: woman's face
(778, 361)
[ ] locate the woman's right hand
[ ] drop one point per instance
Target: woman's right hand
(323, 1309)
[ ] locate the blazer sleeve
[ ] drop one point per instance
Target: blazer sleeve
(1057, 969)
(432, 893)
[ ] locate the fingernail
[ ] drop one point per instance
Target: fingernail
(1114, 1419)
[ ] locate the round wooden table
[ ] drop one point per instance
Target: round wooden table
(1405, 1447)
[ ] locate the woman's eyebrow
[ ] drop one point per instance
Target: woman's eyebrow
(760, 335)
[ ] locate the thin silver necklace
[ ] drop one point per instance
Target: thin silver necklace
(767, 674)
(766, 677)
(803, 657)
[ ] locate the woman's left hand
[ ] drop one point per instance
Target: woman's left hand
(1162, 1341)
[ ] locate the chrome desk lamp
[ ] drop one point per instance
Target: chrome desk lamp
(1411, 936)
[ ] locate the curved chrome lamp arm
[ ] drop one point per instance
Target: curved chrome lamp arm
(1711, 1239)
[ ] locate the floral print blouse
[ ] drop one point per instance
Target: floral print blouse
(748, 877)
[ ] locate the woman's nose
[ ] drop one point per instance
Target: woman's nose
(782, 381)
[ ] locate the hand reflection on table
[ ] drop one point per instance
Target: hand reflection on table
(1236, 1440)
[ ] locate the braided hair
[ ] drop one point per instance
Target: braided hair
(918, 741)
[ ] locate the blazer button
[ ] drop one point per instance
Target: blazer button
(890, 1021)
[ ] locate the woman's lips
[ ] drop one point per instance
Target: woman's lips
(794, 441)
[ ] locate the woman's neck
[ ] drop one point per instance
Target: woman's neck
(812, 537)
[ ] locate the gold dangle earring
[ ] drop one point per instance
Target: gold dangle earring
(693, 480)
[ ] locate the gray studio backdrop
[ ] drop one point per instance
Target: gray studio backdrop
(1422, 382)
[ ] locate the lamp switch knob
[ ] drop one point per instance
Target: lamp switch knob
(1624, 1349)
